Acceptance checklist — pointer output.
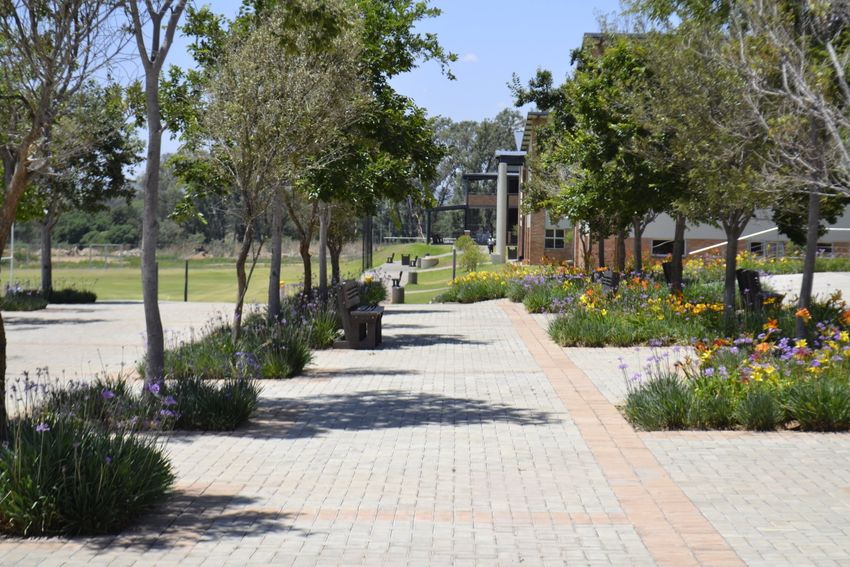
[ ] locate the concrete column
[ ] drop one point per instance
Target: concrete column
(501, 252)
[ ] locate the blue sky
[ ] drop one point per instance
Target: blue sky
(493, 39)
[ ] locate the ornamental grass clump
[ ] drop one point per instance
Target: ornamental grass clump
(72, 467)
(281, 348)
(214, 406)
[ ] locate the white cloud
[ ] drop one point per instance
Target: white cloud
(469, 58)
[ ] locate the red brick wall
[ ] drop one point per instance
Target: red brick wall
(537, 252)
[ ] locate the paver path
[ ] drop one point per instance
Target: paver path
(468, 439)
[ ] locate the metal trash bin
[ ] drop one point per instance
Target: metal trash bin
(397, 294)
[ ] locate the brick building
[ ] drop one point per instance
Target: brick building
(538, 238)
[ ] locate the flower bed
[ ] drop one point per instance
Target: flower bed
(759, 382)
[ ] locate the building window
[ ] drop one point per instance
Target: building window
(757, 248)
(662, 248)
(767, 249)
(555, 238)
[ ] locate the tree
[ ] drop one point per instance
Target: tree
(152, 52)
(92, 145)
(795, 56)
(274, 109)
(390, 153)
(713, 136)
(48, 50)
(344, 228)
(590, 144)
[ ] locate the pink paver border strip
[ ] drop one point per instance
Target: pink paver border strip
(670, 525)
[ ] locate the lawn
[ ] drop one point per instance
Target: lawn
(210, 279)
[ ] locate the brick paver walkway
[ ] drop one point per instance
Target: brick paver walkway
(470, 439)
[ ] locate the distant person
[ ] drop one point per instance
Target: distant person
(491, 244)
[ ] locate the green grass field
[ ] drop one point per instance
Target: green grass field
(209, 279)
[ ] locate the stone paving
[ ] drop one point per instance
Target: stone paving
(471, 439)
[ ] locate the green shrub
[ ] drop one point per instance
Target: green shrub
(372, 292)
(69, 477)
(759, 410)
(324, 328)
(472, 258)
(515, 291)
(18, 299)
(712, 403)
(106, 402)
(465, 243)
(284, 356)
(213, 405)
(581, 328)
(661, 402)
(538, 299)
(70, 295)
(820, 404)
(211, 356)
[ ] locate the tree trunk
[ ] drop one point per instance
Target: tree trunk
(601, 252)
(304, 250)
(324, 221)
(730, 283)
(812, 236)
(620, 255)
(155, 359)
(637, 251)
(276, 251)
(46, 260)
(678, 254)
(16, 184)
(241, 281)
(335, 252)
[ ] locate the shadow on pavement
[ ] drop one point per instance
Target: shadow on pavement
(392, 342)
(28, 323)
(187, 519)
(355, 373)
(381, 409)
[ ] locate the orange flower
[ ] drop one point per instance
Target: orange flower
(721, 342)
(771, 325)
(804, 314)
(844, 318)
(763, 348)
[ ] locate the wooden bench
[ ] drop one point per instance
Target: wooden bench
(361, 323)
(397, 281)
(610, 282)
(753, 296)
(391, 258)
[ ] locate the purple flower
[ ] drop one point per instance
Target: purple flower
(169, 401)
(167, 413)
(42, 427)
(655, 343)
(107, 394)
(107, 460)
(154, 388)
(708, 372)
(815, 363)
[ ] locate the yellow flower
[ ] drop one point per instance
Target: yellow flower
(604, 312)
(844, 336)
